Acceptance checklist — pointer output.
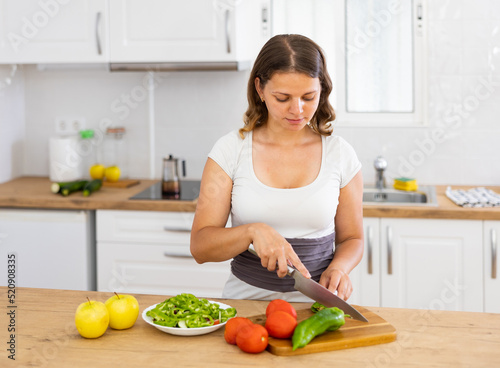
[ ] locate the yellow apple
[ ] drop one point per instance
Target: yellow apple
(91, 319)
(123, 311)
(97, 171)
(112, 174)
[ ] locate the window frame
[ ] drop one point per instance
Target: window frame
(337, 67)
(324, 22)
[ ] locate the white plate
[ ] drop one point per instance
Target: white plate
(184, 331)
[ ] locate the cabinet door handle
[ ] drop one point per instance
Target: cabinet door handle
(177, 229)
(389, 250)
(228, 38)
(177, 255)
(493, 254)
(369, 246)
(98, 33)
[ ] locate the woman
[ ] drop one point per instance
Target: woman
(293, 190)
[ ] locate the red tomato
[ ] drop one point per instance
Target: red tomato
(280, 324)
(252, 338)
(233, 326)
(282, 305)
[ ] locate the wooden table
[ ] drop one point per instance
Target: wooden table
(45, 336)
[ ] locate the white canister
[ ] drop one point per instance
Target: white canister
(65, 159)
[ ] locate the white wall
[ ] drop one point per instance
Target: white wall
(11, 122)
(95, 95)
(464, 95)
(193, 109)
(464, 101)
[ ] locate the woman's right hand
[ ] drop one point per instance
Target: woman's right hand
(274, 251)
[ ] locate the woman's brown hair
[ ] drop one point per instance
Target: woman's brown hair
(289, 53)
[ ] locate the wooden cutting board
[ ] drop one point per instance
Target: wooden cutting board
(353, 334)
(125, 183)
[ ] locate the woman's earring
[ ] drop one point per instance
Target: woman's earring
(262, 99)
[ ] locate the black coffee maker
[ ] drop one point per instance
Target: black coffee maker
(171, 187)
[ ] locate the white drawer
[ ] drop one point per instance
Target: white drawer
(157, 269)
(144, 226)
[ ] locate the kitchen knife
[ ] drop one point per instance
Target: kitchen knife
(318, 292)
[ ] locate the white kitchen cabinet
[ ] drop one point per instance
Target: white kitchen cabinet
(53, 31)
(147, 252)
(366, 276)
(187, 31)
(421, 263)
(52, 249)
(491, 232)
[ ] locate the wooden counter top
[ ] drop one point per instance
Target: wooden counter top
(46, 336)
(445, 209)
(34, 192)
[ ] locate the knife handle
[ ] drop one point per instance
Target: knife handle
(252, 250)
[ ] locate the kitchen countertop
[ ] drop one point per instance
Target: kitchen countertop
(45, 335)
(34, 192)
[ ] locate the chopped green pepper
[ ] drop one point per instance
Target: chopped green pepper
(186, 310)
(316, 307)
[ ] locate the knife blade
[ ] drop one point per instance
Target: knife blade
(319, 293)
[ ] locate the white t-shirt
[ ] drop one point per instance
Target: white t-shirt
(305, 212)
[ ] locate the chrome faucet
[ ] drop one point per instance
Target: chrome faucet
(380, 164)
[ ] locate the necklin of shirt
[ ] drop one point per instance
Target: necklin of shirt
(254, 176)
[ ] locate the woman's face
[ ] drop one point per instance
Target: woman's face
(291, 99)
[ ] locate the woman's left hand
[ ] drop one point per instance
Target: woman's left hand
(334, 279)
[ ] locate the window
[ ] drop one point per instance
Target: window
(375, 51)
(380, 76)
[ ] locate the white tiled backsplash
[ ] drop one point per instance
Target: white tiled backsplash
(193, 109)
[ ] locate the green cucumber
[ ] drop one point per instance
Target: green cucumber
(56, 187)
(71, 187)
(92, 186)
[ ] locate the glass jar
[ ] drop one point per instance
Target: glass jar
(87, 151)
(114, 150)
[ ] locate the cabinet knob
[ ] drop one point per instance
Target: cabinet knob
(98, 33)
(227, 30)
(177, 229)
(389, 250)
(177, 255)
(493, 254)
(369, 246)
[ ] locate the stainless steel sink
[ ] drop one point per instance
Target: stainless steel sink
(425, 196)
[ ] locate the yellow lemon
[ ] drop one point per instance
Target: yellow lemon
(112, 174)
(97, 171)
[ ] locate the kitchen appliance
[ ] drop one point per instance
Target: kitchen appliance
(54, 249)
(170, 181)
(189, 191)
(318, 292)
